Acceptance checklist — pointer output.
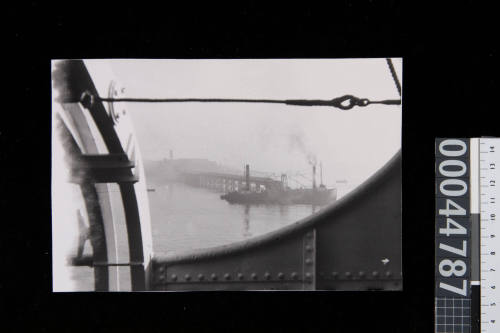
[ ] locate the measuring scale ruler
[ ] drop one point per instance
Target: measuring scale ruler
(467, 235)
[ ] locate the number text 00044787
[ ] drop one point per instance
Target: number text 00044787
(452, 217)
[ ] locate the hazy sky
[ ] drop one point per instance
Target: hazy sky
(275, 138)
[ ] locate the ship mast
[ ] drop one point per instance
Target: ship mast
(320, 173)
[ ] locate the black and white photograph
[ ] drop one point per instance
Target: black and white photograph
(250, 167)
(227, 174)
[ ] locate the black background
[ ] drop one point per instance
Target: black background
(449, 87)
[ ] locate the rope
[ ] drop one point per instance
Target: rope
(180, 100)
(345, 102)
(394, 75)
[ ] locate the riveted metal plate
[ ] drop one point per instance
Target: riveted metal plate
(309, 259)
(277, 265)
(359, 248)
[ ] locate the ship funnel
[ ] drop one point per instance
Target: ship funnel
(284, 180)
(247, 177)
(314, 176)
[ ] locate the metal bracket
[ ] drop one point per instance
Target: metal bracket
(87, 260)
(109, 168)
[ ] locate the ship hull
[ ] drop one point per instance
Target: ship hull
(290, 197)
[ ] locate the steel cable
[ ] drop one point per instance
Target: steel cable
(394, 75)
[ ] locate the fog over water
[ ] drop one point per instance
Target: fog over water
(272, 138)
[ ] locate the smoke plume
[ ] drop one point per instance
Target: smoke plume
(297, 142)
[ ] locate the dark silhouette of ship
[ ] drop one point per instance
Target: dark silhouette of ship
(283, 195)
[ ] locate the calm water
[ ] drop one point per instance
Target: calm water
(185, 218)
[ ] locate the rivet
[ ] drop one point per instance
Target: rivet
(174, 277)
(335, 274)
(254, 276)
(200, 277)
(161, 269)
(187, 277)
(308, 276)
(227, 276)
(214, 276)
(281, 275)
(240, 276)
(375, 273)
(267, 275)
(348, 274)
(388, 273)
(294, 275)
(309, 235)
(308, 261)
(361, 273)
(309, 248)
